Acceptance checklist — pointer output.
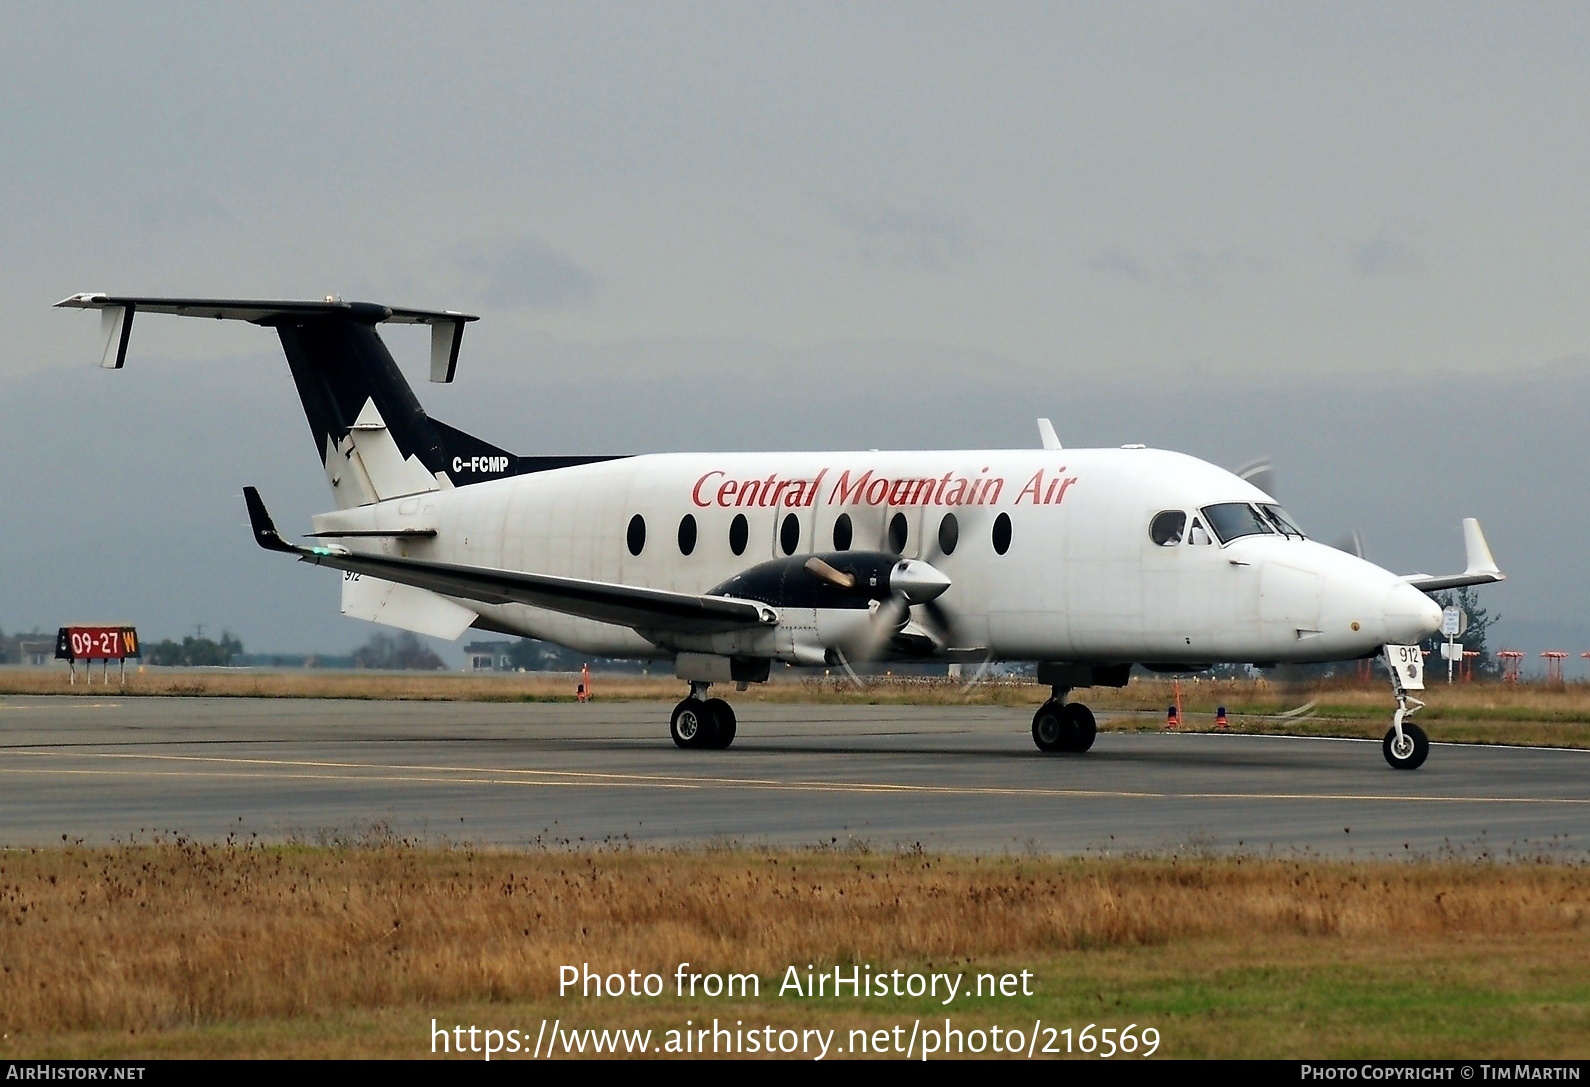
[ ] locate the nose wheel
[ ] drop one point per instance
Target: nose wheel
(700, 722)
(1061, 726)
(1408, 750)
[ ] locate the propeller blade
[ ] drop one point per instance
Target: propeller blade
(1260, 473)
(820, 569)
(939, 623)
(886, 621)
(1352, 543)
(849, 671)
(977, 676)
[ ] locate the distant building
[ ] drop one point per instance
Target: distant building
(36, 652)
(489, 656)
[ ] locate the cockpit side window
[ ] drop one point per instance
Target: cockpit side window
(1233, 520)
(1283, 523)
(1166, 528)
(1198, 535)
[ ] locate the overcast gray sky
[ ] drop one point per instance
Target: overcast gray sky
(1258, 209)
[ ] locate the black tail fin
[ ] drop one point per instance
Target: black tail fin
(342, 367)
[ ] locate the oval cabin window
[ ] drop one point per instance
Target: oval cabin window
(949, 534)
(1002, 533)
(789, 534)
(842, 533)
(739, 533)
(898, 530)
(637, 534)
(687, 534)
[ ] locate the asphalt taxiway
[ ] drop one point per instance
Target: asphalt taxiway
(112, 768)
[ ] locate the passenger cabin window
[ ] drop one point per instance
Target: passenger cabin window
(898, 528)
(636, 536)
(1002, 533)
(1278, 517)
(687, 534)
(739, 533)
(842, 533)
(1233, 520)
(789, 534)
(1166, 528)
(949, 534)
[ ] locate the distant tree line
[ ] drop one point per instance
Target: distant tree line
(194, 652)
(396, 651)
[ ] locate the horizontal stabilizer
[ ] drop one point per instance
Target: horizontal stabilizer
(447, 326)
(1481, 568)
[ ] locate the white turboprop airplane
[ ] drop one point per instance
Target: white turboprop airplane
(1083, 561)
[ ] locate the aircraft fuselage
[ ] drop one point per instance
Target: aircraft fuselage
(1050, 557)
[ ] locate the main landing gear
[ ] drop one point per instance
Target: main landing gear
(702, 722)
(1063, 726)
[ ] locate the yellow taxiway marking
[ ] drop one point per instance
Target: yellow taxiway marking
(296, 769)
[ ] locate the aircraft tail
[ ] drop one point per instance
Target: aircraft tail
(370, 432)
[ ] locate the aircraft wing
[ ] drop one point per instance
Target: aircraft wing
(625, 605)
(1481, 566)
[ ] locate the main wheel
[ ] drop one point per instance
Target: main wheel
(1411, 753)
(691, 723)
(723, 723)
(1080, 727)
(1048, 727)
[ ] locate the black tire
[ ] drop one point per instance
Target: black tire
(691, 724)
(1080, 727)
(1417, 747)
(724, 725)
(1048, 727)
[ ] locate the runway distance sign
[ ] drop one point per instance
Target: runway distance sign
(96, 643)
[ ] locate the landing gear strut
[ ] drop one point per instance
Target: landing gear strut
(1063, 726)
(702, 722)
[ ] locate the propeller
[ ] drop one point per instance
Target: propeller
(939, 622)
(911, 582)
(1261, 473)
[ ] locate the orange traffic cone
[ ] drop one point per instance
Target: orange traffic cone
(1220, 719)
(1172, 718)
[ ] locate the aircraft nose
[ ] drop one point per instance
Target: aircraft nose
(1410, 615)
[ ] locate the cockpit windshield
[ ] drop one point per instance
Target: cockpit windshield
(1283, 523)
(1231, 520)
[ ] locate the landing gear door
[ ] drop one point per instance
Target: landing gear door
(1406, 664)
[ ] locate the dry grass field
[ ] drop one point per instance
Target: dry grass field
(1530, 713)
(214, 950)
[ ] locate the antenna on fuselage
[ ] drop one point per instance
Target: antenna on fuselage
(1046, 433)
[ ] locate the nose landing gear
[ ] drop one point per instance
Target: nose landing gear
(1061, 726)
(1405, 745)
(702, 722)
